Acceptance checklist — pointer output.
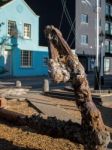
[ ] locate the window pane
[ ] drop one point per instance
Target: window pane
(111, 47)
(111, 10)
(84, 39)
(107, 26)
(84, 18)
(27, 30)
(45, 60)
(107, 9)
(11, 27)
(111, 28)
(107, 46)
(99, 3)
(26, 58)
(106, 64)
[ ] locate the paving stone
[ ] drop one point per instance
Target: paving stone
(54, 111)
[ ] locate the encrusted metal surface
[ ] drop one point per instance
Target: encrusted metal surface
(64, 66)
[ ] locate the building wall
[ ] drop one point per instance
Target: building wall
(18, 11)
(90, 28)
(38, 67)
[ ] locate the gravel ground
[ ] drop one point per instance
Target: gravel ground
(24, 138)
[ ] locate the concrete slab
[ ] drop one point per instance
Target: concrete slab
(53, 111)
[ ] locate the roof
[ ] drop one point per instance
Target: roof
(4, 2)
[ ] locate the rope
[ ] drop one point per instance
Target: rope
(62, 14)
(67, 15)
(71, 30)
(73, 41)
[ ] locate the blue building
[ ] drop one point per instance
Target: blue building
(20, 53)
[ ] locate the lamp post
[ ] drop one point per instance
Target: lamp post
(97, 81)
(102, 36)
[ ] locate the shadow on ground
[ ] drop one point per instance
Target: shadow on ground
(52, 127)
(8, 145)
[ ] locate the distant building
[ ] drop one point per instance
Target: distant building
(85, 35)
(20, 53)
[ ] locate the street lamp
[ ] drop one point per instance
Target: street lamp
(102, 36)
(97, 81)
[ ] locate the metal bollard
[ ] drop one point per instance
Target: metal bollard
(46, 85)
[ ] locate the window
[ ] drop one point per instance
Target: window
(111, 11)
(84, 39)
(107, 46)
(111, 28)
(100, 22)
(45, 61)
(111, 47)
(107, 28)
(27, 31)
(107, 9)
(26, 58)
(92, 64)
(84, 18)
(106, 64)
(11, 27)
(99, 3)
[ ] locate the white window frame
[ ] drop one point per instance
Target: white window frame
(84, 39)
(26, 60)
(27, 31)
(11, 25)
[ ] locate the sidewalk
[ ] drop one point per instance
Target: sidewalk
(30, 82)
(37, 82)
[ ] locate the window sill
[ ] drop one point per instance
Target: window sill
(26, 67)
(26, 38)
(83, 44)
(84, 23)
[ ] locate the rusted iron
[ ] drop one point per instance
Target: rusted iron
(64, 66)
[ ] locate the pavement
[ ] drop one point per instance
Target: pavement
(28, 82)
(37, 82)
(62, 109)
(31, 90)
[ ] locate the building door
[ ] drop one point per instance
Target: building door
(8, 61)
(84, 62)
